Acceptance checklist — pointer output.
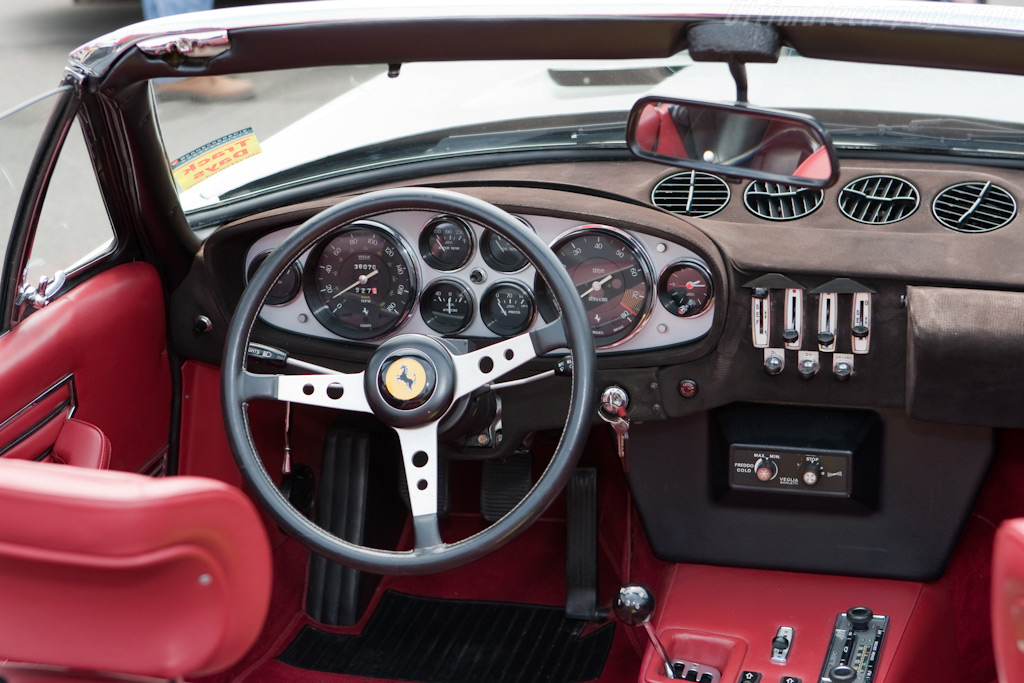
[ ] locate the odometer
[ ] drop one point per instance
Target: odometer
(612, 278)
(360, 284)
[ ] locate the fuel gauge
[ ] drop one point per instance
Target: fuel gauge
(685, 289)
(446, 306)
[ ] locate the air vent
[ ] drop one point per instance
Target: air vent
(781, 202)
(691, 194)
(974, 207)
(878, 199)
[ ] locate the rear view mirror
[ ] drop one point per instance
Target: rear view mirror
(733, 140)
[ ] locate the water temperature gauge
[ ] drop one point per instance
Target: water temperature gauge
(446, 306)
(685, 289)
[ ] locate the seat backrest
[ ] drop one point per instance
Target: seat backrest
(1008, 601)
(117, 572)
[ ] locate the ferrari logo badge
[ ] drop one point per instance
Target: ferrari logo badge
(405, 378)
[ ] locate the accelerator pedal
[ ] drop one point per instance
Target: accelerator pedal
(504, 483)
(581, 547)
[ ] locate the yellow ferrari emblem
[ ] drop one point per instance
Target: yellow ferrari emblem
(405, 378)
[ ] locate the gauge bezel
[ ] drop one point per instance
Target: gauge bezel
(645, 265)
(293, 270)
(527, 293)
(488, 258)
(688, 263)
(311, 292)
(423, 242)
(424, 306)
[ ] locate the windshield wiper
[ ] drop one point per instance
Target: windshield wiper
(949, 134)
(591, 135)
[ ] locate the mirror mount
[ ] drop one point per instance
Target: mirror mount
(736, 44)
(739, 74)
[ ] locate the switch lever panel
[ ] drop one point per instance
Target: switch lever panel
(855, 647)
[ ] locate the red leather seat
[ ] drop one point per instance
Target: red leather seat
(115, 572)
(1008, 601)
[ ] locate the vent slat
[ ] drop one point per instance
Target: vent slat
(959, 208)
(692, 193)
(776, 202)
(878, 199)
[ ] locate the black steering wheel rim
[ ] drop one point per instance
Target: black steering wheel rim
(552, 480)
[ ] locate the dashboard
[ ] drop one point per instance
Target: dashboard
(906, 354)
(414, 271)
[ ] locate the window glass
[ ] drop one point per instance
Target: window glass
(74, 227)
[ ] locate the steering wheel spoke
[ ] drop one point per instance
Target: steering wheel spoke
(419, 457)
(478, 368)
(336, 390)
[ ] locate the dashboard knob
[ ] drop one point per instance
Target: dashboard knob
(859, 331)
(765, 469)
(826, 338)
(790, 335)
(842, 371)
(842, 674)
(860, 617)
(811, 473)
(807, 368)
(760, 293)
(780, 642)
(773, 365)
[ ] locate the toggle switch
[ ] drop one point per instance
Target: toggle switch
(828, 304)
(761, 317)
(860, 326)
(793, 318)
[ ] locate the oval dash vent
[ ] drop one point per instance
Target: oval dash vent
(691, 194)
(974, 207)
(776, 202)
(878, 199)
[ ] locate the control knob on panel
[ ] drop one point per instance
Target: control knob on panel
(842, 371)
(773, 365)
(765, 469)
(808, 368)
(811, 473)
(860, 617)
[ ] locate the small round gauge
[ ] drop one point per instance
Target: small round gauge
(446, 243)
(446, 306)
(685, 289)
(500, 254)
(360, 283)
(612, 278)
(507, 308)
(286, 287)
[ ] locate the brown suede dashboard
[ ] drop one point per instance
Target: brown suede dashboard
(964, 316)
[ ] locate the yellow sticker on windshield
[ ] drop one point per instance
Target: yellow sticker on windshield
(213, 157)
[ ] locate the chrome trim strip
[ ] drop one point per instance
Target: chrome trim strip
(71, 403)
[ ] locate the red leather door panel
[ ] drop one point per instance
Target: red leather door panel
(108, 335)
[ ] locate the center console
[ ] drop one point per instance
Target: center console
(737, 623)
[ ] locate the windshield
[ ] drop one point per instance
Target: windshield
(310, 124)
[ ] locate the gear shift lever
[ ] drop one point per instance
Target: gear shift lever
(634, 607)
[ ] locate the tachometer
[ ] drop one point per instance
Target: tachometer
(361, 284)
(612, 277)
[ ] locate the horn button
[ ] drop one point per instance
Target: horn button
(410, 381)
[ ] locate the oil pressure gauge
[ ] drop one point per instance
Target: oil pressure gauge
(685, 289)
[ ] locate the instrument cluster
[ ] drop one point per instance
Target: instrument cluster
(413, 271)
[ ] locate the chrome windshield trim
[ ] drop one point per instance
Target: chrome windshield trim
(97, 56)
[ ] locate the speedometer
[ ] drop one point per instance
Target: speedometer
(360, 284)
(612, 277)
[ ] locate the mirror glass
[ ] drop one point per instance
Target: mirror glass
(733, 140)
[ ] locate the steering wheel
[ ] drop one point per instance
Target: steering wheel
(412, 411)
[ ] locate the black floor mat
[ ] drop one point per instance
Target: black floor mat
(411, 638)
